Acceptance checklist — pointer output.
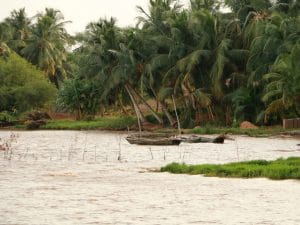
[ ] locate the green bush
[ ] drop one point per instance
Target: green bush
(80, 97)
(6, 119)
(22, 86)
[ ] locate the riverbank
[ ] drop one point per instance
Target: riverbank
(101, 123)
(258, 132)
(129, 123)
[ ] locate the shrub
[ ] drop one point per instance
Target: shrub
(80, 97)
(6, 119)
(22, 86)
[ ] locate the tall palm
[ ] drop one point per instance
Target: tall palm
(271, 37)
(96, 61)
(160, 49)
(5, 36)
(283, 88)
(128, 71)
(46, 47)
(98, 38)
(20, 29)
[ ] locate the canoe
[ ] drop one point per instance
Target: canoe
(166, 139)
(197, 139)
(153, 141)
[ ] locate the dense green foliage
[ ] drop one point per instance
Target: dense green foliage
(43, 43)
(217, 66)
(6, 119)
(278, 169)
(107, 123)
(83, 98)
(259, 132)
(213, 66)
(22, 86)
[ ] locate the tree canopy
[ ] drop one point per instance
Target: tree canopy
(22, 86)
(214, 66)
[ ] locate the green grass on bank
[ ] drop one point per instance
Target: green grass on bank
(261, 131)
(103, 123)
(121, 123)
(278, 170)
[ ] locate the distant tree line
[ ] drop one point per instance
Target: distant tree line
(213, 66)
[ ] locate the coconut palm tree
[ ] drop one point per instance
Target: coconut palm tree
(46, 47)
(19, 25)
(282, 91)
(128, 72)
(5, 35)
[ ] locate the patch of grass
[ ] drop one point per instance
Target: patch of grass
(261, 131)
(103, 123)
(19, 126)
(278, 169)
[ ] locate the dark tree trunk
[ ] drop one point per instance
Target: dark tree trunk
(135, 105)
(148, 106)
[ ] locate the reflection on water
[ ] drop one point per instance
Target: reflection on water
(66, 177)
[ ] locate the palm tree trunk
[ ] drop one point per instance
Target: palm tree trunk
(122, 106)
(156, 98)
(211, 113)
(228, 118)
(78, 114)
(166, 112)
(177, 117)
(296, 110)
(148, 106)
(135, 105)
(164, 108)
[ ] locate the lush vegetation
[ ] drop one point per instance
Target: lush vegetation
(213, 66)
(22, 86)
(278, 169)
(259, 132)
(107, 123)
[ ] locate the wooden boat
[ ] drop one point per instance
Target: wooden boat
(197, 139)
(166, 139)
(153, 139)
(149, 141)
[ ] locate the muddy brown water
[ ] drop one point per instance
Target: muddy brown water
(74, 177)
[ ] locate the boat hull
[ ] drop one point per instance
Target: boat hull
(165, 139)
(148, 141)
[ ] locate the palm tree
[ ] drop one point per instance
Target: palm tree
(46, 47)
(283, 88)
(5, 35)
(160, 49)
(113, 61)
(19, 24)
(96, 42)
(129, 71)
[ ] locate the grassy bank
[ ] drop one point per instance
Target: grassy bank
(277, 170)
(121, 123)
(103, 123)
(261, 131)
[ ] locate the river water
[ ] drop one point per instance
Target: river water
(75, 177)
